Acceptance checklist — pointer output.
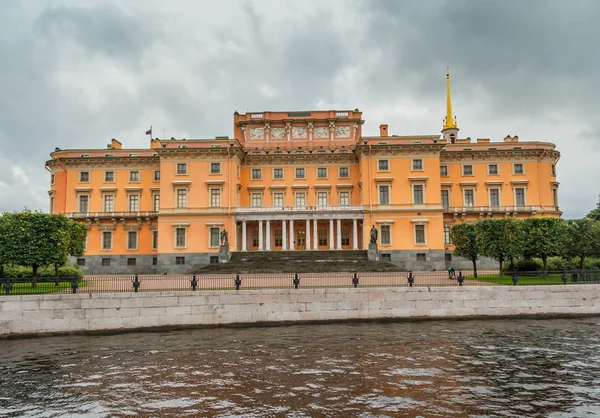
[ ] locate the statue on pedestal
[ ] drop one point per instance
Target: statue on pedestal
(374, 233)
(224, 237)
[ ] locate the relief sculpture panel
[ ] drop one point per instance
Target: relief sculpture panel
(321, 132)
(278, 133)
(299, 132)
(342, 131)
(257, 133)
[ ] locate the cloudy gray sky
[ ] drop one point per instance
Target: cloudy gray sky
(75, 73)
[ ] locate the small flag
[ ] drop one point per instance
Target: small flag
(149, 131)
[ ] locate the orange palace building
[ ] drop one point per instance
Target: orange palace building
(296, 181)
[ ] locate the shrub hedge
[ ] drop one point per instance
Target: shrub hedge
(19, 271)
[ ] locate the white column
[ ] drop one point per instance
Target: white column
(315, 235)
(243, 235)
(307, 236)
(260, 236)
(339, 234)
(354, 234)
(268, 237)
(292, 246)
(331, 234)
(284, 235)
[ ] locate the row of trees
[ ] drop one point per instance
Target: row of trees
(542, 237)
(35, 239)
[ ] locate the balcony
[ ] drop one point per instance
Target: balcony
(110, 215)
(497, 209)
(298, 209)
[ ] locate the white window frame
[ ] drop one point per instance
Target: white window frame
(276, 196)
(320, 195)
(340, 172)
(155, 239)
(113, 176)
(105, 199)
(420, 244)
(340, 194)
(422, 185)
(257, 170)
(210, 168)
(181, 198)
(383, 170)
(156, 202)
(412, 164)
(79, 202)
(522, 169)
(447, 171)
(130, 200)
(210, 236)
(89, 177)
(102, 247)
(389, 193)
(472, 170)
(442, 200)
(185, 236)
(282, 173)
(52, 178)
(185, 169)
(447, 236)
(253, 195)
(296, 195)
(139, 176)
(136, 241)
(296, 173)
(326, 173)
(218, 195)
(497, 173)
(499, 190)
(515, 188)
(464, 193)
(389, 227)
(155, 173)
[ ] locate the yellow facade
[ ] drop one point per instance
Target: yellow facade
(295, 181)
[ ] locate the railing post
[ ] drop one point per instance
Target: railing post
(564, 278)
(136, 283)
(296, 281)
(194, 282)
(74, 284)
(411, 278)
(515, 278)
(460, 278)
(7, 286)
(355, 280)
(237, 281)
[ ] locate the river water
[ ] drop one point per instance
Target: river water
(509, 368)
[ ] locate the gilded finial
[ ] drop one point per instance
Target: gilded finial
(449, 121)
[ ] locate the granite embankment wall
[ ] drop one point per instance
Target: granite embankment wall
(114, 312)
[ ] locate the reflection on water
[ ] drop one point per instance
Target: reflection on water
(509, 368)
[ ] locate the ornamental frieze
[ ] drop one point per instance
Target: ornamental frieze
(501, 155)
(257, 133)
(277, 133)
(299, 132)
(296, 159)
(106, 162)
(321, 132)
(342, 131)
(390, 150)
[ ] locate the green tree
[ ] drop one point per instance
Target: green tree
(595, 213)
(544, 237)
(583, 239)
(499, 239)
(75, 235)
(466, 242)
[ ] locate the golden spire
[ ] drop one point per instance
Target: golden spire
(449, 121)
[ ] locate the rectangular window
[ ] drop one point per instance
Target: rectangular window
(467, 170)
(180, 237)
(215, 168)
(179, 260)
(215, 198)
(109, 203)
(107, 240)
(181, 168)
(322, 237)
(445, 199)
(418, 194)
(448, 257)
(384, 195)
(300, 173)
(494, 197)
(255, 238)
(156, 202)
(322, 172)
(131, 261)
(84, 201)
(344, 198)
(157, 175)
(553, 170)
(154, 261)
(517, 168)
(154, 240)
(256, 200)
(443, 170)
(555, 197)
(421, 257)
(278, 238)
(278, 173)
(417, 165)
(469, 199)
(81, 262)
(256, 174)
(345, 236)
(106, 262)
(52, 178)
(344, 173)
(181, 198)
(278, 200)
(134, 203)
(131, 240)
(386, 237)
(51, 204)
(447, 234)
(301, 199)
(322, 198)
(493, 169)
(214, 237)
(134, 176)
(109, 176)
(84, 177)
(520, 196)
(383, 165)
(419, 234)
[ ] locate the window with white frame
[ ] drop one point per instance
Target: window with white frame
(84, 201)
(215, 168)
(493, 169)
(134, 203)
(156, 175)
(384, 194)
(107, 240)
(256, 174)
(214, 237)
(344, 172)
(322, 198)
(181, 168)
(555, 197)
(447, 239)
(278, 173)
(300, 173)
(322, 237)
(301, 199)
(518, 168)
(345, 235)
(156, 202)
(321, 172)
(468, 198)
(134, 176)
(109, 203)
(445, 198)
(278, 199)
(443, 170)
(383, 165)
(417, 164)
(180, 237)
(418, 194)
(109, 176)
(215, 198)
(154, 240)
(467, 170)
(519, 196)
(420, 234)
(182, 198)
(84, 176)
(494, 197)
(256, 200)
(386, 234)
(344, 198)
(553, 169)
(132, 237)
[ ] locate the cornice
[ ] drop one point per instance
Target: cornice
(216, 153)
(501, 155)
(363, 150)
(105, 162)
(299, 159)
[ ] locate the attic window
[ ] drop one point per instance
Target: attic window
(278, 153)
(321, 151)
(493, 149)
(133, 155)
(85, 155)
(256, 153)
(109, 155)
(416, 142)
(181, 146)
(467, 149)
(517, 147)
(343, 151)
(299, 152)
(382, 143)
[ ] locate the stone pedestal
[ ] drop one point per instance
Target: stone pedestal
(373, 252)
(224, 254)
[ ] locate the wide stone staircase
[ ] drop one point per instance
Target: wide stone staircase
(298, 262)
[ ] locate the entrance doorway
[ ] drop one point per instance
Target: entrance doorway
(301, 240)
